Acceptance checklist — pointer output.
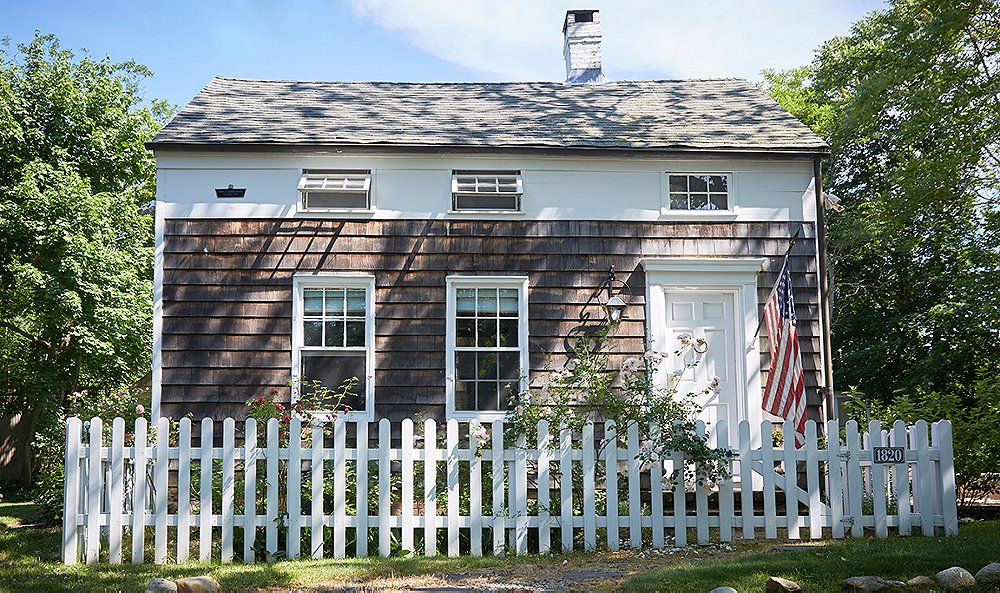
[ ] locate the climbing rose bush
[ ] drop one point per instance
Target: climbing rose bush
(586, 388)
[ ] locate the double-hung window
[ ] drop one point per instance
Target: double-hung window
(335, 190)
(486, 191)
(487, 344)
(700, 191)
(333, 337)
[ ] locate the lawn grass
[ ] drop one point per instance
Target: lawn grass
(897, 558)
(30, 561)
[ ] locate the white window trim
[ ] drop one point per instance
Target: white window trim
(369, 184)
(734, 275)
(453, 283)
(519, 192)
(355, 280)
(666, 212)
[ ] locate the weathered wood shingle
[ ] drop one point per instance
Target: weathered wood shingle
(719, 114)
(228, 286)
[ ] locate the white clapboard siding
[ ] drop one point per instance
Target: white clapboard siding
(110, 486)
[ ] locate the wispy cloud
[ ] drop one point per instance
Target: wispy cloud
(522, 40)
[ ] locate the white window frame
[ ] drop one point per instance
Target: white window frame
(347, 280)
(727, 214)
(455, 193)
(520, 283)
(335, 173)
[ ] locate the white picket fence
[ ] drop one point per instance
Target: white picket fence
(531, 501)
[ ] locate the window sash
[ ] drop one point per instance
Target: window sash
(699, 192)
(486, 190)
(326, 185)
(336, 299)
(475, 392)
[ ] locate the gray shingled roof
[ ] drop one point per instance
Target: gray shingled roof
(720, 114)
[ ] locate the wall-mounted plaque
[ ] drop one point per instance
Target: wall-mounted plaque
(231, 192)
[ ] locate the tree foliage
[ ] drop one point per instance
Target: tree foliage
(910, 104)
(76, 267)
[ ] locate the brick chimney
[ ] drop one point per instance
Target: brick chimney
(582, 47)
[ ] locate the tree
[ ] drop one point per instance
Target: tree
(910, 104)
(76, 268)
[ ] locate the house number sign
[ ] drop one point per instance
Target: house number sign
(888, 455)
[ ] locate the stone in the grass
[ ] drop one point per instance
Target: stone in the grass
(921, 581)
(726, 589)
(988, 576)
(955, 578)
(780, 585)
(203, 584)
(868, 583)
(159, 585)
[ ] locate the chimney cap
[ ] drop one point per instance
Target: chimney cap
(579, 16)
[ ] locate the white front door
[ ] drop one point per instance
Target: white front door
(707, 365)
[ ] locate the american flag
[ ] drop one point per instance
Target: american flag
(784, 394)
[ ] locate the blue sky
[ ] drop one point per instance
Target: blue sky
(186, 42)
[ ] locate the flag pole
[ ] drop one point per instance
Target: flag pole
(784, 263)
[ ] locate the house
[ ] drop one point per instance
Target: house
(442, 242)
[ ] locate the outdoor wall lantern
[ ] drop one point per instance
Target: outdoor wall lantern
(615, 307)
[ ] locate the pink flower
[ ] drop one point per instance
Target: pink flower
(286, 418)
(280, 407)
(346, 409)
(260, 399)
(139, 410)
(274, 392)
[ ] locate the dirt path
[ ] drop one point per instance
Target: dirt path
(601, 571)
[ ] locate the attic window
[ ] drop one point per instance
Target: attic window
(324, 189)
(699, 191)
(486, 191)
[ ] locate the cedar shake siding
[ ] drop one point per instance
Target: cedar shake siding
(227, 294)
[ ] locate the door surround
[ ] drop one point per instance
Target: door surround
(735, 275)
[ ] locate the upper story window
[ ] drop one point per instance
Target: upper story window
(700, 191)
(487, 343)
(333, 335)
(329, 189)
(486, 191)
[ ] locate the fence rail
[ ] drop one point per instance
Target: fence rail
(284, 490)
